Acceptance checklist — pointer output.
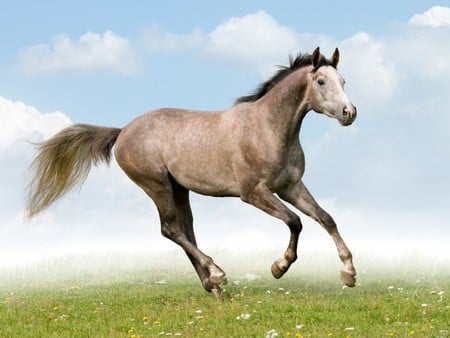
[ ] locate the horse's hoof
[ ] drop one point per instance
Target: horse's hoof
(277, 272)
(348, 278)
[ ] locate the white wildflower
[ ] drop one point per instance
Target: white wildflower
(271, 334)
(243, 316)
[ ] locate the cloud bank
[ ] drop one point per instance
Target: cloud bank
(19, 121)
(90, 52)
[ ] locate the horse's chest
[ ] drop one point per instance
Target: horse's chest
(287, 171)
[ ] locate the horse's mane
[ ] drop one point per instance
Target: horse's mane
(302, 60)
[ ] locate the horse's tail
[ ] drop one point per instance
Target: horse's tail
(64, 161)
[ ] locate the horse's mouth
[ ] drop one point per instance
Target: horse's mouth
(346, 122)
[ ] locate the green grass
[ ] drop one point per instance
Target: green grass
(153, 302)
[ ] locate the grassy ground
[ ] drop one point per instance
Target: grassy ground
(155, 302)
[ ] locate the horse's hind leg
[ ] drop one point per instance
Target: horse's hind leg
(176, 224)
(209, 278)
(300, 197)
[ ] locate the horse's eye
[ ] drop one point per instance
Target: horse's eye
(321, 81)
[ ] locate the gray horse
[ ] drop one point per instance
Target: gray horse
(250, 150)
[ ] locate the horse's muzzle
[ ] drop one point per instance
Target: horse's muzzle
(348, 115)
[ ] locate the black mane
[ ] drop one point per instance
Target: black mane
(302, 60)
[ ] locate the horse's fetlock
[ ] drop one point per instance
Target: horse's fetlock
(206, 262)
(345, 256)
(291, 256)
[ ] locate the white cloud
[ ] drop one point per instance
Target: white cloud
(20, 120)
(255, 39)
(367, 67)
(91, 51)
(422, 53)
(437, 16)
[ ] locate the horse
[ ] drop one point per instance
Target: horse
(250, 150)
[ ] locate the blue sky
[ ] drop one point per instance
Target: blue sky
(384, 178)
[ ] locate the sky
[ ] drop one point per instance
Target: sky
(385, 179)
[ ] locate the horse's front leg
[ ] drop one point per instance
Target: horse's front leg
(262, 198)
(299, 196)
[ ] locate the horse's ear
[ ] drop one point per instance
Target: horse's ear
(335, 58)
(315, 57)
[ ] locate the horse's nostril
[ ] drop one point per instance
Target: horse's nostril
(345, 113)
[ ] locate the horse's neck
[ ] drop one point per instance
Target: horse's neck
(285, 106)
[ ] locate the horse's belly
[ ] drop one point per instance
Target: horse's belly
(206, 179)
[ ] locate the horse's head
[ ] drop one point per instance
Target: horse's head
(326, 89)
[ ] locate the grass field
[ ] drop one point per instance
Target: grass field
(111, 298)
